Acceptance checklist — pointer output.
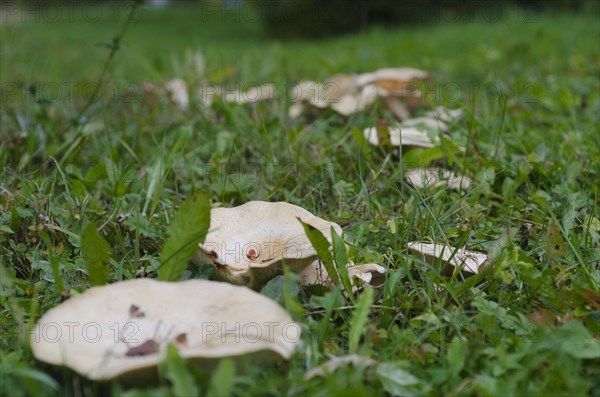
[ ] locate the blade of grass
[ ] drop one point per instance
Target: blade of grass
(360, 318)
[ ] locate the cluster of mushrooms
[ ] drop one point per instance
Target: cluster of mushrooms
(395, 89)
(123, 330)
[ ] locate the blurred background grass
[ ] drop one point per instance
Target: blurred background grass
(158, 37)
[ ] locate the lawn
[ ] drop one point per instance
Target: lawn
(529, 85)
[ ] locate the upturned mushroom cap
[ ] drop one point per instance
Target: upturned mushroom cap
(248, 244)
(393, 79)
(404, 136)
(177, 91)
(348, 104)
(413, 131)
(123, 329)
(316, 274)
(469, 261)
(444, 114)
(434, 177)
(305, 90)
(350, 94)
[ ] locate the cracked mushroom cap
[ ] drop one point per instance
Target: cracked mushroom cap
(123, 329)
(248, 244)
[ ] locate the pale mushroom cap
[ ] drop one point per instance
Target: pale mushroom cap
(306, 90)
(91, 333)
(405, 136)
(351, 103)
(339, 85)
(444, 114)
(471, 261)
(296, 110)
(260, 235)
(316, 274)
(427, 122)
(433, 177)
(177, 90)
(398, 75)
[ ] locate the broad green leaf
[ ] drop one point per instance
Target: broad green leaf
(223, 379)
(187, 229)
(329, 301)
(396, 380)
(577, 341)
(340, 257)
(6, 229)
(290, 291)
(456, 354)
(555, 243)
(274, 288)
(360, 317)
(53, 261)
(94, 250)
(154, 186)
(419, 157)
(321, 245)
(179, 374)
(34, 379)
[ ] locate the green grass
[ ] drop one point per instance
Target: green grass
(529, 326)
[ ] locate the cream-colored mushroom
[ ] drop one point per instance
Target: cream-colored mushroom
(305, 90)
(177, 91)
(316, 274)
(349, 94)
(469, 261)
(349, 104)
(444, 114)
(123, 329)
(412, 131)
(403, 136)
(434, 177)
(339, 85)
(393, 78)
(249, 244)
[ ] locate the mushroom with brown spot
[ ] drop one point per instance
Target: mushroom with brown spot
(122, 330)
(249, 244)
